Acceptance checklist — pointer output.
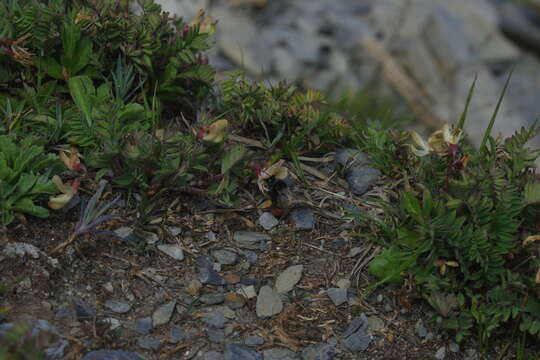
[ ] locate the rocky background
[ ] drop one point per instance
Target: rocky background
(425, 51)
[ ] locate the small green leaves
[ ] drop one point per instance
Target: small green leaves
(21, 183)
(532, 193)
(232, 156)
(387, 266)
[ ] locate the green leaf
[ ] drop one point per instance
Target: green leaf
(487, 133)
(387, 266)
(27, 206)
(101, 173)
(532, 193)
(463, 117)
(84, 53)
(51, 67)
(81, 90)
(231, 157)
(412, 205)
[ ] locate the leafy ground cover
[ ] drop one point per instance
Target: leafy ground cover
(112, 118)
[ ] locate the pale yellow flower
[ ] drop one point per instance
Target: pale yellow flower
(437, 143)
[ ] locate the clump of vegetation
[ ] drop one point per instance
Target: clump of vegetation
(463, 229)
(25, 177)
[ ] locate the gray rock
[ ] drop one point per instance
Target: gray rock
(172, 250)
(213, 355)
(355, 337)
(516, 25)
(149, 343)
(117, 306)
(254, 340)
(20, 249)
(441, 353)
(351, 157)
(251, 257)
(453, 347)
(112, 322)
(279, 353)
(163, 314)
(215, 335)
(56, 350)
(241, 352)
(212, 298)
(355, 251)
(210, 276)
(111, 355)
(204, 261)
(238, 40)
(375, 323)
(420, 329)
(338, 243)
(225, 257)
(268, 221)
(176, 335)
(445, 36)
(215, 318)
(287, 280)
(361, 178)
(303, 218)
(83, 309)
(127, 234)
(143, 325)
(269, 302)
(174, 230)
(343, 283)
(251, 240)
(337, 295)
(319, 352)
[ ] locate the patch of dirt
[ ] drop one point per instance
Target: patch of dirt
(95, 269)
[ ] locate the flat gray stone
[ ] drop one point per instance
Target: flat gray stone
(172, 250)
(441, 353)
(176, 335)
(337, 295)
(212, 298)
(375, 323)
(269, 302)
(361, 178)
(254, 340)
(207, 275)
(350, 157)
(319, 352)
(117, 306)
(268, 221)
(446, 38)
(163, 314)
(279, 353)
(225, 257)
(355, 338)
(251, 240)
(287, 280)
(215, 335)
(215, 318)
(241, 352)
(83, 310)
(149, 343)
(303, 218)
(143, 325)
(213, 355)
(111, 355)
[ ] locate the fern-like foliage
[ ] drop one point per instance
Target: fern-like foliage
(461, 237)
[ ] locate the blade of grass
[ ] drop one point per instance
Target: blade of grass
(494, 116)
(461, 122)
